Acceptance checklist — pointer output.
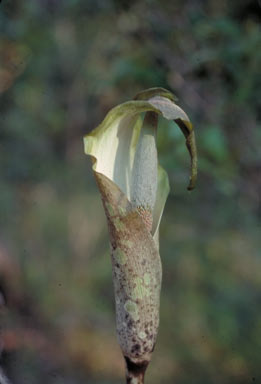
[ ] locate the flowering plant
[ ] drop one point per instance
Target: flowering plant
(134, 189)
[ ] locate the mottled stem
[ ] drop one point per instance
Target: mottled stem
(135, 371)
(135, 379)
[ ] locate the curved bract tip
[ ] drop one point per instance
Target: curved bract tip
(156, 91)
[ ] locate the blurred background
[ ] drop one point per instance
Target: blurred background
(63, 65)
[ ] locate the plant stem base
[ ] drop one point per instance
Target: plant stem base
(135, 372)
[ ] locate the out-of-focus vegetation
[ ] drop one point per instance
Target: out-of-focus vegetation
(63, 65)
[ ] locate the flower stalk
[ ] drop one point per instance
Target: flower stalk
(134, 190)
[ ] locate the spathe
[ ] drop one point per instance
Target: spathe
(112, 144)
(135, 255)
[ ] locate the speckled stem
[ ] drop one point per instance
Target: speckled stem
(135, 372)
(136, 271)
(135, 380)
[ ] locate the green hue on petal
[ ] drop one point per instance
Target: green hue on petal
(114, 142)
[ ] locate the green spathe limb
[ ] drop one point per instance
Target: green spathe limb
(156, 97)
(113, 142)
(162, 194)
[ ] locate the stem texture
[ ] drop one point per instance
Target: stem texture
(135, 371)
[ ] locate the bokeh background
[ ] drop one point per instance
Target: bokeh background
(63, 65)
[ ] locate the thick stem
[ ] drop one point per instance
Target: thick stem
(135, 380)
(135, 372)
